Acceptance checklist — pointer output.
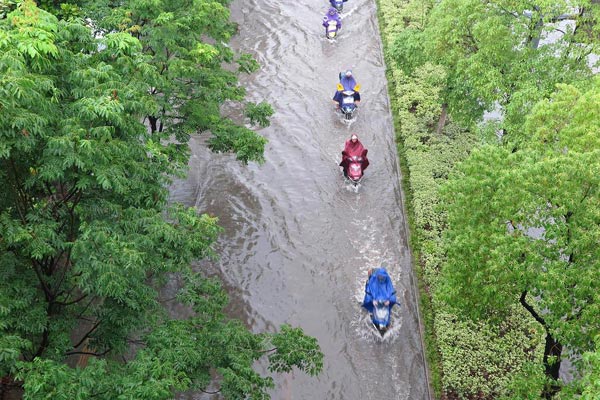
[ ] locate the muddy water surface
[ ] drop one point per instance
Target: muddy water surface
(298, 240)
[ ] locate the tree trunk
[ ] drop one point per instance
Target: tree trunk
(442, 120)
(153, 121)
(10, 389)
(552, 352)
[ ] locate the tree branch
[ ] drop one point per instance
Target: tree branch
(136, 341)
(88, 334)
(564, 17)
(23, 203)
(45, 288)
(68, 303)
(529, 308)
(89, 353)
(85, 308)
(268, 351)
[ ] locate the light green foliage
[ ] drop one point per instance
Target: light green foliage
(473, 356)
(498, 197)
(430, 157)
(87, 238)
(7, 6)
(490, 366)
(568, 121)
(587, 387)
(591, 380)
(397, 15)
(473, 56)
(492, 54)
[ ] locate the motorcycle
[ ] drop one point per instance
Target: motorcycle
(331, 30)
(337, 4)
(348, 106)
(354, 171)
(380, 297)
(381, 316)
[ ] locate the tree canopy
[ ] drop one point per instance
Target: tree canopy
(511, 239)
(492, 54)
(87, 236)
(530, 222)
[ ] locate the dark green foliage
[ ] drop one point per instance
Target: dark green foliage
(259, 113)
(186, 42)
(292, 346)
(87, 238)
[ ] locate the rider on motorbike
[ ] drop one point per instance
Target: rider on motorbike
(332, 15)
(347, 80)
(379, 287)
(332, 2)
(353, 147)
(347, 83)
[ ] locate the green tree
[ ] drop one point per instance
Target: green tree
(491, 54)
(587, 387)
(186, 42)
(87, 239)
(487, 55)
(524, 226)
(591, 379)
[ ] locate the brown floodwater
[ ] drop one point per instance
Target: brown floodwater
(298, 240)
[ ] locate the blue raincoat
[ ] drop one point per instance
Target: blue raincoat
(379, 287)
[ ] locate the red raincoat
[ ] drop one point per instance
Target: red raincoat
(354, 149)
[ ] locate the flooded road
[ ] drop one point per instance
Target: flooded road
(298, 240)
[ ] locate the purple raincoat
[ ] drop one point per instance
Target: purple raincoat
(332, 14)
(348, 82)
